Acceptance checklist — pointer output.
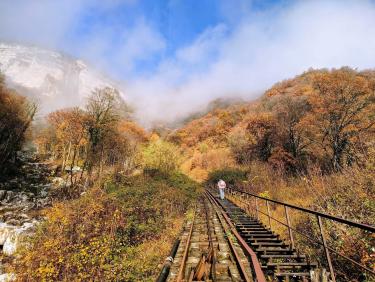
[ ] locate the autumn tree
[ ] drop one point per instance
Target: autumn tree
(263, 131)
(103, 109)
(342, 113)
(87, 139)
(291, 136)
(323, 117)
(16, 115)
(69, 126)
(239, 141)
(135, 136)
(289, 112)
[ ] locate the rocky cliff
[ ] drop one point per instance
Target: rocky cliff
(53, 79)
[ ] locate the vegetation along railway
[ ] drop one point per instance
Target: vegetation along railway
(235, 240)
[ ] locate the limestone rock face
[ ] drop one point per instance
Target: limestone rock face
(54, 79)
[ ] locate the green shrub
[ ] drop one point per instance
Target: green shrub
(161, 155)
(179, 180)
(230, 176)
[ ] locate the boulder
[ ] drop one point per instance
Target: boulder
(13, 221)
(76, 169)
(11, 243)
(22, 197)
(58, 181)
(7, 277)
(8, 215)
(2, 194)
(5, 231)
(42, 202)
(23, 216)
(44, 192)
(9, 196)
(15, 237)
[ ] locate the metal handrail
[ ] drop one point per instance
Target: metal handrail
(324, 215)
(319, 216)
(315, 241)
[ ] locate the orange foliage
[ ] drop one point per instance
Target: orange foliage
(322, 117)
(16, 114)
(133, 131)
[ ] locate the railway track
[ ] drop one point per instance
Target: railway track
(208, 251)
(224, 241)
(221, 242)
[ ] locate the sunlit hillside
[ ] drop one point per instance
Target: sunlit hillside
(293, 126)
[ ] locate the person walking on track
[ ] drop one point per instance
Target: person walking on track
(221, 185)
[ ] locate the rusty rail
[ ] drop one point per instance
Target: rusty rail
(318, 215)
(181, 272)
(211, 243)
(196, 273)
(255, 263)
(238, 260)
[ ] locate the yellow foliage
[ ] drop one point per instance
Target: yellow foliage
(118, 234)
(154, 137)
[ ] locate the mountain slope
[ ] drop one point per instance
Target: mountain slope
(296, 123)
(55, 80)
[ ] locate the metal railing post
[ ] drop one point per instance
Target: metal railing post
(268, 213)
(294, 230)
(289, 229)
(248, 205)
(326, 249)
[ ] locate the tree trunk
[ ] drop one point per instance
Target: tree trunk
(72, 165)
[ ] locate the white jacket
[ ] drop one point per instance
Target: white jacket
(221, 184)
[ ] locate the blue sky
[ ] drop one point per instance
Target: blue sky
(176, 22)
(181, 54)
(75, 25)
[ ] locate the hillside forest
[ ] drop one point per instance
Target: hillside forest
(121, 192)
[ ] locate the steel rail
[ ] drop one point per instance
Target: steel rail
(181, 272)
(363, 226)
(238, 260)
(315, 241)
(211, 243)
(254, 259)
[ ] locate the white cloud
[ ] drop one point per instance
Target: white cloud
(139, 43)
(263, 49)
(204, 46)
(117, 49)
(70, 26)
(242, 56)
(41, 22)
